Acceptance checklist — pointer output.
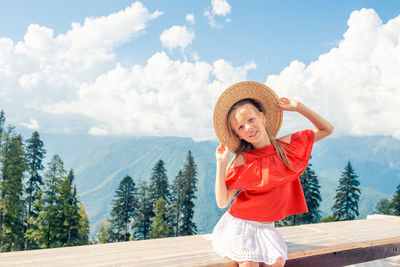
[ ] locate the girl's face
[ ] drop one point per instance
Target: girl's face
(249, 124)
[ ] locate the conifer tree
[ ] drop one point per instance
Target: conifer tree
(142, 218)
(49, 222)
(175, 208)
(395, 203)
(310, 185)
(347, 195)
(159, 182)
(13, 166)
(83, 226)
(35, 154)
(68, 211)
(2, 123)
(124, 207)
(188, 227)
(382, 206)
(159, 227)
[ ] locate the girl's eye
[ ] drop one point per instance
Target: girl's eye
(250, 120)
(240, 127)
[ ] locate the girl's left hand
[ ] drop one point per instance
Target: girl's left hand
(288, 104)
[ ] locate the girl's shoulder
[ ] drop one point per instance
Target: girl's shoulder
(286, 138)
(239, 160)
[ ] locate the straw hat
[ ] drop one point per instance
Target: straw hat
(257, 91)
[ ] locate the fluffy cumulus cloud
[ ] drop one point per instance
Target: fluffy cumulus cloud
(164, 97)
(43, 68)
(356, 85)
(177, 37)
(75, 83)
(219, 8)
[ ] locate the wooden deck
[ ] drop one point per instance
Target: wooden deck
(323, 244)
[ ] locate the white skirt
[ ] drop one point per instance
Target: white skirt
(242, 240)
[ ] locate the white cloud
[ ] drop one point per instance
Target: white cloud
(356, 84)
(190, 18)
(98, 131)
(164, 97)
(218, 8)
(32, 124)
(75, 83)
(43, 68)
(177, 37)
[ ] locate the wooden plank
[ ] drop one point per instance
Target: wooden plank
(346, 257)
(337, 242)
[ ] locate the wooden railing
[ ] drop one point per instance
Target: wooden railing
(322, 244)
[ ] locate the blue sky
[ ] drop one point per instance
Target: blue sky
(274, 42)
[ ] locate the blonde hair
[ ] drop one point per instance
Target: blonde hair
(246, 146)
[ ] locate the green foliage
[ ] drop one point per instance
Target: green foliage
(175, 214)
(310, 184)
(83, 226)
(124, 207)
(395, 203)
(329, 218)
(188, 227)
(50, 222)
(159, 182)
(104, 230)
(382, 207)
(35, 154)
(62, 220)
(142, 218)
(13, 166)
(347, 195)
(159, 227)
(68, 211)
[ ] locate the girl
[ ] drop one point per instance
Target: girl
(247, 117)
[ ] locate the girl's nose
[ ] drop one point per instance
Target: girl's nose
(248, 127)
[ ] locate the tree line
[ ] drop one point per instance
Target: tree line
(153, 210)
(39, 208)
(346, 202)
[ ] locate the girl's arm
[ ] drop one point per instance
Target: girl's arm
(323, 127)
(223, 195)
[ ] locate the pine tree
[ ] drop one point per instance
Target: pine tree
(158, 182)
(2, 123)
(68, 211)
(124, 207)
(382, 207)
(310, 185)
(188, 227)
(35, 154)
(13, 166)
(159, 226)
(175, 208)
(49, 222)
(395, 203)
(142, 218)
(83, 226)
(347, 195)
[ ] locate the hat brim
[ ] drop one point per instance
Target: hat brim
(242, 90)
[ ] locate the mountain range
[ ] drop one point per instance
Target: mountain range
(100, 163)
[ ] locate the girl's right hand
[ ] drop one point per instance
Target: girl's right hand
(222, 153)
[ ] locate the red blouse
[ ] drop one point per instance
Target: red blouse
(270, 191)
